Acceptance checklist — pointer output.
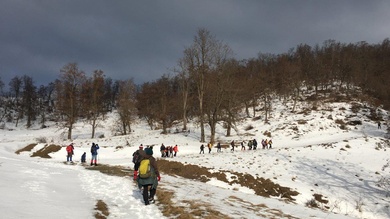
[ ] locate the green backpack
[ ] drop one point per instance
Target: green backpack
(144, 169)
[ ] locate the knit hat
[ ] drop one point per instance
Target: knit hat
(149, 151)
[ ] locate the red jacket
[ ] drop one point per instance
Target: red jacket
(69, 149)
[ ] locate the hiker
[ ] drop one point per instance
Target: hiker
(219, 147)
(94, 154)
(243, 146)
(137, 157)
(232, 144)
(379, 125)
(250, 144)
(201, 149)
(175, 149)
(69, 150)
(263, 143)
(209, 145)
(167, 151)
(270, 143)
(162, 150)
(150, 183)
(83, 157)
(171, 151)
(254, 144)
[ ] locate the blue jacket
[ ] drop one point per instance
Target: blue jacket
(94, 149)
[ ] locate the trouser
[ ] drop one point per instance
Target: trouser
(69, 157)
(93, 159)
(146, 194)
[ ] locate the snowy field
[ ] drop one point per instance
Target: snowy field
(313, 156)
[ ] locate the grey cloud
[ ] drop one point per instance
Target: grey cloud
(144, 39)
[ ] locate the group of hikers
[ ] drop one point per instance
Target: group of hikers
(94, 153)
(252, 145)
(168, 151)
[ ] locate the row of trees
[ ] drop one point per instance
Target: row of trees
(208, 85)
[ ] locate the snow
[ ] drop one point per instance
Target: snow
(318, 158)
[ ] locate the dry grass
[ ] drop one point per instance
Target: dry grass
(188, 209)
(45, 151)
(101, 209)
(26, 149)
(261, 186)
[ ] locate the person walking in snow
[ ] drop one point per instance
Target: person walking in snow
(250, 145)
(242, 146)
(379, 125)
(270, 143)
(83, 157)
(175, 149)
(149, 184)
(137, 157)
(209, 145)
(254, 144)
(232, 144)
(162, 150)
(219, 147)
(171, 151)
(94, 154)
(201, 149)
(69, 150)
(263, 143)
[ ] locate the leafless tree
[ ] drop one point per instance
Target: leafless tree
(68, 95)
(126, 105)
(206, 54)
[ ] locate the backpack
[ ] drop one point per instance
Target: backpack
(144, 169)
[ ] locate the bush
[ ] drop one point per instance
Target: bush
(249, 127)
(312, 203)
(41, 140)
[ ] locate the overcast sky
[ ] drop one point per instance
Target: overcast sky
(144, 39)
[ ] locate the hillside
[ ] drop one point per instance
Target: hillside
(329, 156)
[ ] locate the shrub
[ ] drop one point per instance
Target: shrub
(249, 127)
(312, 203)
(41, 140)
(302, 121)
(268, 134)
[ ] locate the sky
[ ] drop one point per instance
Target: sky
(317, 157)
(143, 40)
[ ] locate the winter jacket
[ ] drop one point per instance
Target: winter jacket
(152, 180)
(69, 149)
(94, 149)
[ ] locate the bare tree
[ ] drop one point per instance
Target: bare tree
(206, 53)
(68, 91)
(126, 102)
(15, 92)
(93, 99)
(186, 66)
(29, 99)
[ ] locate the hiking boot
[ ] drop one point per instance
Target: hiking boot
(151, 200)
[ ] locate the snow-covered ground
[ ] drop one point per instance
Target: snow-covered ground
(312, 156)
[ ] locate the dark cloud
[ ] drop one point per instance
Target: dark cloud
(144, 39)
